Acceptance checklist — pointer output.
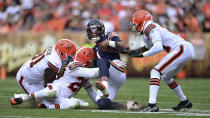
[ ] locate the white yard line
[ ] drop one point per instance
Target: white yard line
(191, 112)
(10, 116)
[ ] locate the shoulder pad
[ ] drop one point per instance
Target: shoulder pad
(111, 35)
(148, 29)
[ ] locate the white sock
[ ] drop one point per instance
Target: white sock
(49, 91)
(153, 91)
(41, 94)
(178, 91)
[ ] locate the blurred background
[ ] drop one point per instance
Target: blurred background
(27, 27)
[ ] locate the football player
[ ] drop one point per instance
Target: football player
(158, 39)
(59, 94)
(42, 69)
(107, 55)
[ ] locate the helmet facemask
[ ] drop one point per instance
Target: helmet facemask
(94, 33)
(65, 49)
(95, 30)
(68, 59)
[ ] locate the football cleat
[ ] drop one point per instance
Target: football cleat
(42, 106)
(150, 108)
(16, 101)
(182, 104)
(102, 88)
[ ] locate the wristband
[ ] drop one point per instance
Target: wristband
(112, 44)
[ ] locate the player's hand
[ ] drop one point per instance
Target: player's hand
(139, 55)
(133, 52)
(104, 44)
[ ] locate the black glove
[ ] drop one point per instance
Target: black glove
(139, 55)
(133, 52)
(121, 49)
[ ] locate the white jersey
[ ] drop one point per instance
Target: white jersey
(33, 70)
(73, 80)
(169, 40)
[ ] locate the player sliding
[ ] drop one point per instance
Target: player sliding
(157, 39)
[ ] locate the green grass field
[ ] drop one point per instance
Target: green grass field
(197, 90)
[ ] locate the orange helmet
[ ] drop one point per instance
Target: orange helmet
(139, 19)
(85, 55)
(65, 48)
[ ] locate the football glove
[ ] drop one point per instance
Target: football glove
(120, 49)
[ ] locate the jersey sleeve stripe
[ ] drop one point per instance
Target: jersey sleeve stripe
(75, 65)
(148, 29)
(53, 67)
(112, 35)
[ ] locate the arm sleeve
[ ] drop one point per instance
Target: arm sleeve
(157, 43)
(85, 72)
(91, 91)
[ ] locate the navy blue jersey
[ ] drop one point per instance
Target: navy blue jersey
(102, 58)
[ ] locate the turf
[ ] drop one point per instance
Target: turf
(197, 90)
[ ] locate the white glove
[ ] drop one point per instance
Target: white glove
(119, 63)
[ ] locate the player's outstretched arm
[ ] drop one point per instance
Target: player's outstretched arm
(137, 51)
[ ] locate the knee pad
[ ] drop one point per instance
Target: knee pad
(104, 103)
(155, 74)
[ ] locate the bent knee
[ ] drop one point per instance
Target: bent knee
(155, 74)
(104, 103)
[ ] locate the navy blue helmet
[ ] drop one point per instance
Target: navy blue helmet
(95, 30)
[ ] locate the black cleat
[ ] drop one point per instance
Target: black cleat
(42, 106)
(15, 101)
(182, 104)
(150, 108)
